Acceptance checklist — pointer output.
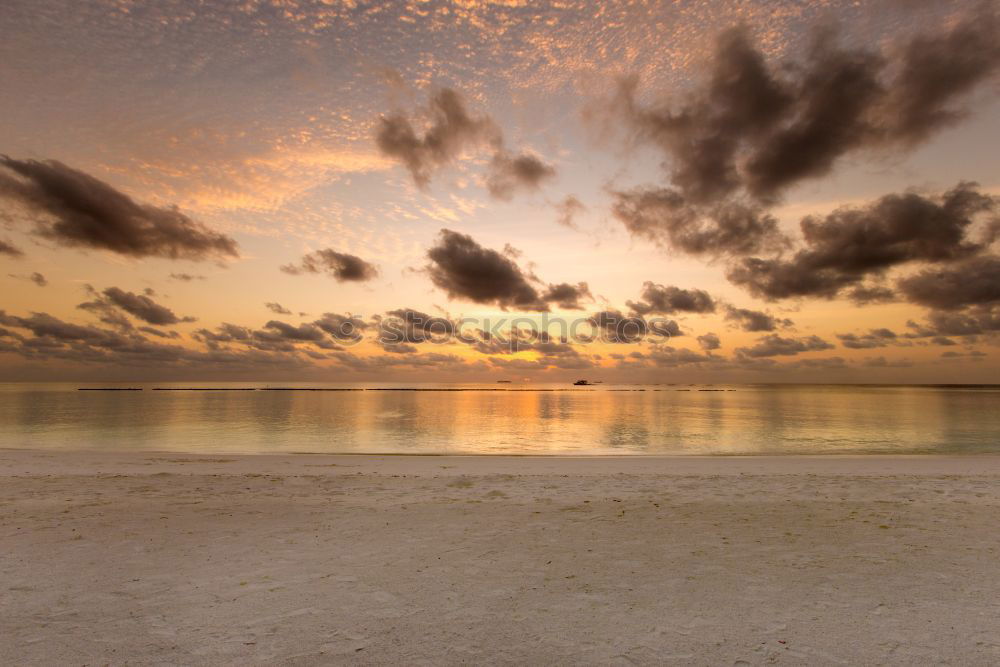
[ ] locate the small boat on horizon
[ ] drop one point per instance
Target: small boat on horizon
(582, 383)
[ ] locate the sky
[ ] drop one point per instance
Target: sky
(315, 190)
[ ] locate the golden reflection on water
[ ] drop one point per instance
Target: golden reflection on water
(750, 419)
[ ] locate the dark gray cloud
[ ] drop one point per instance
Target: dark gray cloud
(510, 342)
(773, 345)
(274, 336)
(973, 321)
(560, 354)
(973, 282)
(666, 356)
(852, 243)
(56, 339)
(821, 362)
(224, 333)
(882, 362)
(140, 306)
(616, 327)
(338, 265)
(663, 216)
(709, 342)
(75, 209)
(407, 326)
(466, 270)
(568, 209)
(567, 296)
(971, 354)
(35, 277)
(873, 339)
(159, 333)
(942, 340)
(660, 300)
(864, 295)
(510, 173)
(342, 328)
(552, 350)
(186, 277)
(755, 320)
(432, 360)
(279, 335)
(452, 131)
(43, 325)
(756, 128)
(9, 249)
(107, 312)
(277, 308)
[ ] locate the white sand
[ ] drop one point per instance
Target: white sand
(167, 558)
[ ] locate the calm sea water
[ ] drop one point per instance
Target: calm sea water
(505, 419)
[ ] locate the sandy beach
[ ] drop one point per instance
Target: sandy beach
(149, 558)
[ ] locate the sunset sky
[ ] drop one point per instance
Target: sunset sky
(317, 190)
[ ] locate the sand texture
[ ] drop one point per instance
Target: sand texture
(147, 558)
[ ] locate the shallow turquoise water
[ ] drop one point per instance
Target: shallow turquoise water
(506, 419)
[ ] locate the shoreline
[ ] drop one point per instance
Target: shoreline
(31, 461)
(166, 557)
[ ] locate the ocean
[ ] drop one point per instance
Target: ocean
(525, 419)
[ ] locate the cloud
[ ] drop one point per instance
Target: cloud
(431, 360)
(755, 320)
(851, 243)
(615, 327)
(567, 211)
(276, 331)
(274, 336)
(882, 362)
(35, 277)
(451, 132)
(159, 333)
(43, 325)
(75, 209)
(560, 354)
(186, 277)
(510, 173)
(709, 342)
(406, 325)
(567, 296)
(10, 250)
(275, 307)
(973, 321)
(873, 339)
(342, 328)
(773, 345)
(972, 354)
(755, 128)
(663, 216)
(338, 265)
(666, 356)
(224, 333)
(57, 339)
(969, 323)
(466, 270)
(973, 282)
(140, 306)
(864, 295)
(657, 299)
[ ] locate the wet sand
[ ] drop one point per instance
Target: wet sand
(151, 558)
